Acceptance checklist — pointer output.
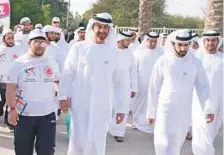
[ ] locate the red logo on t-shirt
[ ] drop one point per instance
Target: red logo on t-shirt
(48, 71)
(14, 57)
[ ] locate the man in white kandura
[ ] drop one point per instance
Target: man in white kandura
(212, 61)
(145, 56)
(134, 39)
(162, 39)
(173, 79)
(79, 35)
(125, 85)
(89, 69)
(195, 42)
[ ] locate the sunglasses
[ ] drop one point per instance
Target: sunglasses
(37, 43)
(9, 38)
(56, 22)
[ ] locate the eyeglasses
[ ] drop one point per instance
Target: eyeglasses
(37, 43)
(9, 38)
(56, 22)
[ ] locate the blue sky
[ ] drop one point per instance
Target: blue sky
(181, 7)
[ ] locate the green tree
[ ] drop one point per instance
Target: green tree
(39, 11)
(125, 13)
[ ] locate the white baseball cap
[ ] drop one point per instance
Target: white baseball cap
(25, 20)
(56, 19)
(37, 33)
(50, 28)
(38, 26)
(6, 31)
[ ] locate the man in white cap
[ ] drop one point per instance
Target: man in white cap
(88, 80)
(60, 37)
(56, 22)
(52, 48)
(145, 56)
(26, 28)
(134, 39)
(162, 39)
(79, 35)
(125, 83)
(18, 34)
(8, 53)
(30, 94)
(212, 61)
(38, 26)
(170, 92)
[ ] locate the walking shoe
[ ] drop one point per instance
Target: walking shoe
(119, 139)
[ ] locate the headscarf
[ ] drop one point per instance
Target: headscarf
(123, 35)
(178, 36)
(161, 36)
(103, 18)
(136, 31)
(76, 33)
(38, 26)
(209, 34)
(150, 35)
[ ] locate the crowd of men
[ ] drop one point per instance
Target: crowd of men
(172, 84)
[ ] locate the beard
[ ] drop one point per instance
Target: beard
(50, 39)
(181, 53)
(9, 44)
(57, 39)
(38, 53)
(101, 36)
(212, 49)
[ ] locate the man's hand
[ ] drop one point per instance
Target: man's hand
(119, 118)
(13, 117)
(210, 118)
(64, 105)
(151, 121)
(133, 94)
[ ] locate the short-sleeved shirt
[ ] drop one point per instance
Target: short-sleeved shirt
(7, 56)
(35, 77)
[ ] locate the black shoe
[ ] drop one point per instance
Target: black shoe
(189, 136)
(1, 112)
(119, 139)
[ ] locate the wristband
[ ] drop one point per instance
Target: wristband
(12, 108)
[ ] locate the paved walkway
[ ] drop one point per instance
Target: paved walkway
(136, 143)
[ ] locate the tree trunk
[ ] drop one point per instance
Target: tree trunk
(145, 16)
(214, 15)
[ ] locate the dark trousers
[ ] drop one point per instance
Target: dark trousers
(41, 129)
(2, 103)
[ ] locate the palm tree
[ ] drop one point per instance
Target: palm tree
(145, 16)
(214, 15)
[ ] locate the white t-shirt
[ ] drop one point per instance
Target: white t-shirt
(7, 56)
(35, 77)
